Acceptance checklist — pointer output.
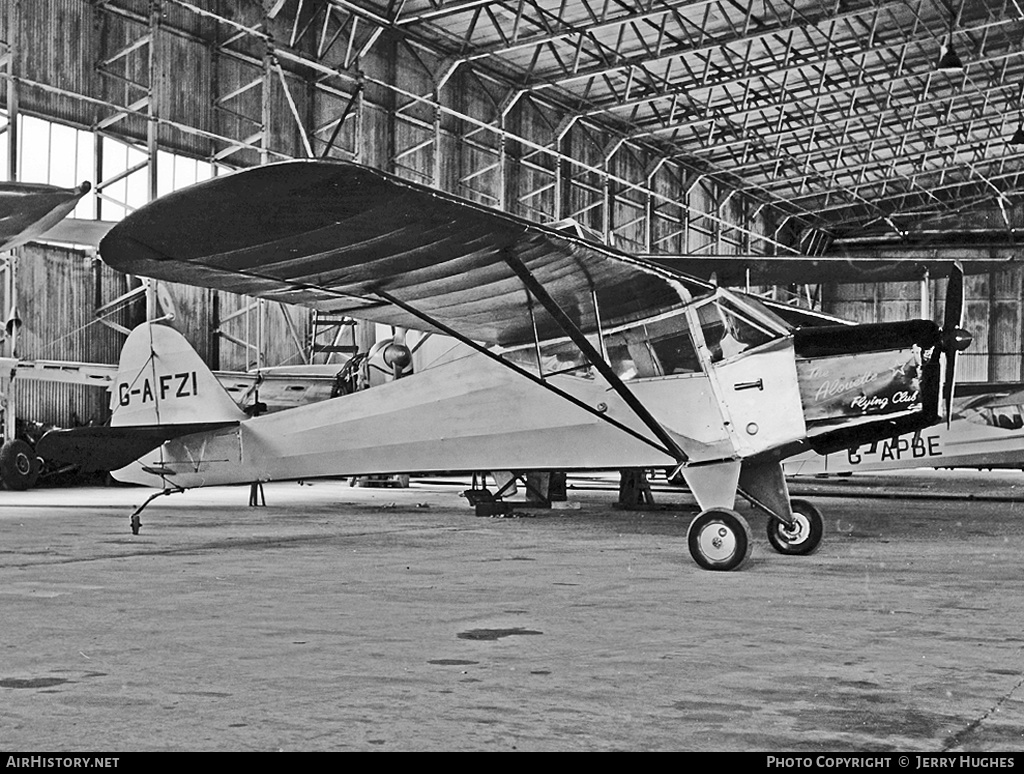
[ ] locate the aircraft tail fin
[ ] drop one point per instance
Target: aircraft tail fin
(161, 380)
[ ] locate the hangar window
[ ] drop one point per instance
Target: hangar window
(58, 154)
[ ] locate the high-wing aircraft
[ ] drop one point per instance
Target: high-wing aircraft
(986, 431)
(29, 210)
(574, 355)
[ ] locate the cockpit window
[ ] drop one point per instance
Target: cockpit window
(728, 331)
(1007, 417)
(673, 349)
(676, 354)
(663, 345)
(561, 357)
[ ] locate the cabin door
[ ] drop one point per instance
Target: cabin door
(752, 370)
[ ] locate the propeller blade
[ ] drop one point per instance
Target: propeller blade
(954, 314)
(953, 335)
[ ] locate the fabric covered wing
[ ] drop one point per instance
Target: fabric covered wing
(740, 270)
(331, 235)
(28, 210)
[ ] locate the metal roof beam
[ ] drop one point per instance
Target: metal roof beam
(549, 80)
(881, 77)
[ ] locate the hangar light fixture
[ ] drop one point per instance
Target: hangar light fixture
(1018, 136)
(949, 59)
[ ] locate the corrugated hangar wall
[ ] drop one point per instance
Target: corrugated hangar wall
(993, 314)
(222, 82)
(58, 293)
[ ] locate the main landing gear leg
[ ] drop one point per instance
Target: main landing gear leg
(136, 521)
(795, 527)
(803, 536)
(719, 538)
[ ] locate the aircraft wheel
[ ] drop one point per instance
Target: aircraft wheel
(802, 538)
(19, 465)
(719, 539)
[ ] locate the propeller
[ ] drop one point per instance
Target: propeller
(954, 338)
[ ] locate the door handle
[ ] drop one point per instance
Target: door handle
(759, 384)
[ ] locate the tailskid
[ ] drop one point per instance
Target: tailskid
(136, 520)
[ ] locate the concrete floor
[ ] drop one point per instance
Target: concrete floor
(339, 618)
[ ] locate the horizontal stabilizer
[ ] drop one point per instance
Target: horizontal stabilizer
(111, 448)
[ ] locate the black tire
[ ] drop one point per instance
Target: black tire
(19, 465)
(804, 538)
(719, 539)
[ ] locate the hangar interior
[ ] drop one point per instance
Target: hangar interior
(733, 130)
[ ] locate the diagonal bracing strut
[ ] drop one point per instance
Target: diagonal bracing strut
(670, 450)
(571, 330)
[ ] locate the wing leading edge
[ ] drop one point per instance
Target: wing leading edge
(28, 210)
(341, 237)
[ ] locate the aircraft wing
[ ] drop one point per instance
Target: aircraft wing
(345, 238)
(740, 270)
(28, 210)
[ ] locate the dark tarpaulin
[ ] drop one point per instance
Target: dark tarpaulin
(111, 448)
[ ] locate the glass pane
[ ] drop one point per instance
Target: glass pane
(34, 150)
(561, 357)
(728, 333)
(668, 342)
(676, 354)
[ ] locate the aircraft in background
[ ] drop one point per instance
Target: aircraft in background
(27, 211)
(573, 355)
(985, 431)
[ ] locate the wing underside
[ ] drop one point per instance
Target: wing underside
(28, 210)
(348, 239)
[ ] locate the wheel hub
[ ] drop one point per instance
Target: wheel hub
(23, 464)
(794, 532)
(718, 541)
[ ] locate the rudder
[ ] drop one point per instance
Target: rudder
(161, 380)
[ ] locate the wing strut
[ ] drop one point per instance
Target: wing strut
(671, 450)
(580, 340)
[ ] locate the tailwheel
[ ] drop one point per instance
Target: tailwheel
(803, 537)
(719, 539)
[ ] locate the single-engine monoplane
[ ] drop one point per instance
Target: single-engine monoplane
(572, 355)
